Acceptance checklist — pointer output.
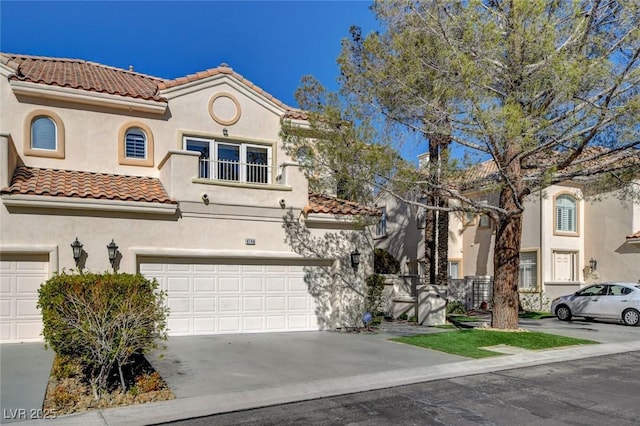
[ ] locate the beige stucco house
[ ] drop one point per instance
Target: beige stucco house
(188, 178)
(567, 240)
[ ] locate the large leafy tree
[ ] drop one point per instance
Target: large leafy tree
(546, 91)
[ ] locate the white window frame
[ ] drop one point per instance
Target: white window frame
(145, 143)
(451, 262)
(574, 273)
(566, 215)
(531, 268)
(55, 133)
(381, 226)
(214, 144)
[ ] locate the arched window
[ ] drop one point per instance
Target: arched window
(136, 143)
(43, 133)
(566, 214)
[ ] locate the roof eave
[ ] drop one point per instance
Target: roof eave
(90, 204)
(85, 97)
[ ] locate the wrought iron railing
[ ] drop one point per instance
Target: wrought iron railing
(234, 171)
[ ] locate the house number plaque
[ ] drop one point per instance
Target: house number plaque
(250, 241)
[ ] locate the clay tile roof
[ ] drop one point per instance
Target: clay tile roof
(83, 75)
(295, 114)
(634, 236)
(75, 184)
(222, 69)
(319, 203)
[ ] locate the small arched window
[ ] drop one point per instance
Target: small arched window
(44, 133)
(136, 143)
(566, 213)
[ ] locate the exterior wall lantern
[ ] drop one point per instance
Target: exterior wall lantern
(225, 132)
(355, 259)
(76, 246)
(593, 264)
(112, 249)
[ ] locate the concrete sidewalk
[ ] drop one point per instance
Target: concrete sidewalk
(223, 373)
(24, 374)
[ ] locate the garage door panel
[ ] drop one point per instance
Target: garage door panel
(276, 284)
(253, 323)
(229, 284)
(179, 305)
(297, 303)
(27, 308)
(234, 298)
(298, 322)
(204, 284)
(178, 284)
(21, 275)
(229, 304)
(204, 268)
(204, 325)
(5, 285)
(204, 305)
(229, 324)
(276, 303)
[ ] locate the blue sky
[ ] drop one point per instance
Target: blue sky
(272, 43)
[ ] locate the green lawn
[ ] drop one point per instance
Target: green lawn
(536, 315)
(467, 342)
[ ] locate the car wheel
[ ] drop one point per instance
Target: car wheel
(631, 317)
(563, 313)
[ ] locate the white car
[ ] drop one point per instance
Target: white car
(607, 300)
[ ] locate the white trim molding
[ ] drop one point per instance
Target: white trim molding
(88, 98)
(48, 202)
(50, 250)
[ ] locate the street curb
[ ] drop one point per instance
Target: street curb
(206, 405)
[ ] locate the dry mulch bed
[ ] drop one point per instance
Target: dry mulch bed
(69, 391)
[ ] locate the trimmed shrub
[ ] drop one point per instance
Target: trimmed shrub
(456, 307)
(102, 320)
(384, 262)
(375, 292)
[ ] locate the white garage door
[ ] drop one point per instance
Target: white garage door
(208, 298)
(20, 277)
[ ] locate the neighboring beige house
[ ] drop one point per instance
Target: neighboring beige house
(562, 233)
(188, 178)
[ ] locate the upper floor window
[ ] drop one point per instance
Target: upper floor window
(135, 145)
(566, 213)
(232, 161)
(43, 134)
(381, 226)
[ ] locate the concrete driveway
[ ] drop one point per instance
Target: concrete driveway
(24, 374)
(220, 364)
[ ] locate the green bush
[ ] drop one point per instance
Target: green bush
(384, 262)
(456, 307)
(375, 292)
(102, 320)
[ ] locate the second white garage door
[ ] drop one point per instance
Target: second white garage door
(207, 298)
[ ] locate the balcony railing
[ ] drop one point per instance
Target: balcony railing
(234, 171)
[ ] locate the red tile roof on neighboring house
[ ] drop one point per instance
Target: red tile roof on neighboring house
(634, 236)
(319, 203)
(75, 184)
(83, 75)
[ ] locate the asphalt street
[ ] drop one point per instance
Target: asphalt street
(593, 391)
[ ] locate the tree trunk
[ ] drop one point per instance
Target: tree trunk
(506, 263)
(430, 242)
(443, 244)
